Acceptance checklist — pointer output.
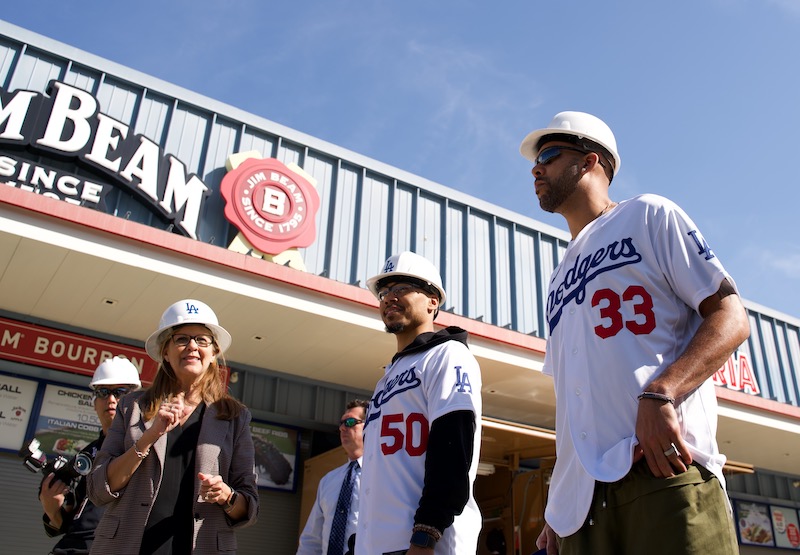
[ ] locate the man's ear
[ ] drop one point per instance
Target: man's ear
(433, 303)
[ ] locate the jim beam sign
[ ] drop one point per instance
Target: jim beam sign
(274, 206)
(67, 122)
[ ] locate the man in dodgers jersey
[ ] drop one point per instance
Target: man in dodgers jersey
(641, 314)
(422, 436)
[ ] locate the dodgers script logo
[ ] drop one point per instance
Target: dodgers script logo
(573, 286)
(404, 381)
(191, 309)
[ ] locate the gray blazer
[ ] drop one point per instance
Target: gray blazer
(224, 447)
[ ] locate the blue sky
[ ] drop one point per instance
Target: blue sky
(703, 95)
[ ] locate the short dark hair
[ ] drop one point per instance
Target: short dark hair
(358, 403)
(587, 145)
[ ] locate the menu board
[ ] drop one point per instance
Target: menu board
(16, 402)
(67, 422)
(754, 524)
(276, 455)
(786, 527)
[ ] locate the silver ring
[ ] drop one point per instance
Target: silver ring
(671, 451)
(206, 496)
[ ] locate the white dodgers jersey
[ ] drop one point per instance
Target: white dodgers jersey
(416, 389)
(622, 306)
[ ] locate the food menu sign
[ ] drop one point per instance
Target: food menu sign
(767, 525)
(276, 455)
(67, 422)
(786, 527)
(16, 402)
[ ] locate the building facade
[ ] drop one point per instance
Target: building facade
(125, 193)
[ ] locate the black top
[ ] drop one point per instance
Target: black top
(170, 526)
(78, 523)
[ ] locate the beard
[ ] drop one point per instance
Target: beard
(395, 328)
(560, 189)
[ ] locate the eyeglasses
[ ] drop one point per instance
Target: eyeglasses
(397, 290)
(181, 340)
(350, 422)
(104, 392)
(552, 152)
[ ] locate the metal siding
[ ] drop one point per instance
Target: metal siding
(34, 71)
(527, 285)
(479, 279)
(8, 54)
(323, 171)
(402, 216)
(82, 78)
(777, 390)
(344, 218)
(289, 153)
(794, 362)
(429, 228)
(454, 242)
(153, 114)
(547, 252)
(373, 225)
(186, 137)
(502, 295)
(117, 100)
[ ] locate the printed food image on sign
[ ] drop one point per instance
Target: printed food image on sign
(754, 523)
(275, 455)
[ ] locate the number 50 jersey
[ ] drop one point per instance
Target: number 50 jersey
(429, 380)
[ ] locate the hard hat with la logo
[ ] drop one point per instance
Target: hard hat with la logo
(187, 311)
(406, 265)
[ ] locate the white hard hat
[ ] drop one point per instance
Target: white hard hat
(578, 124)
(116, 371)
(409, 265)
(187, 311)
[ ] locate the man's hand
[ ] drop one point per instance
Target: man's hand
(657, 430)
(52, 497)
(547, 540)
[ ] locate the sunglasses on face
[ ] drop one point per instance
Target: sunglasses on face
(350, 422)
(104, 392)
(181, 339)
(397, 290)
(552, 152)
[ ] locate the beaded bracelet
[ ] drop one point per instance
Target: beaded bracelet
(656, 396)
(433, 531)
(139, 453)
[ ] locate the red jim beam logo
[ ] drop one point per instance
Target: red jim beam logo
(274, 206)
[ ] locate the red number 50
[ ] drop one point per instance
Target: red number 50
(643, 306)
(413, 434)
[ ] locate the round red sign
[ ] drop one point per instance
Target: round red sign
(273, 206)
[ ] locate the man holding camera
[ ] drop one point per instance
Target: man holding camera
(69, 511)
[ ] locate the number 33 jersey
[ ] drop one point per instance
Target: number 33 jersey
(621, 307)
(432, 380)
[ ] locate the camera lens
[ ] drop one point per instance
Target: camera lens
(83, 464)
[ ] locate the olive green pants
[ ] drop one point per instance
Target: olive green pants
(645, 515)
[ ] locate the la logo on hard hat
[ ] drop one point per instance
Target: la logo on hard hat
(389, 266)
(191, 309)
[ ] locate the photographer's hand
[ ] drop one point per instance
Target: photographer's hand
(52, 498)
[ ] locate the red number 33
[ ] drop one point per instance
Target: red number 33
(645, 321)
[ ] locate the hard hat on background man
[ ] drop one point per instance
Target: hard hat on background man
(187, 311)
(579, 124)
(116, 371)
(409, 265)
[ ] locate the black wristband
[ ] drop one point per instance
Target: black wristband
(656, 396)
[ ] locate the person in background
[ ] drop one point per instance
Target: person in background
(641, 314)
(338, 492)
(69, 512)
(423, 429)
(177, 470)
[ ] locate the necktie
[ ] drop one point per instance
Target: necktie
(336, 542)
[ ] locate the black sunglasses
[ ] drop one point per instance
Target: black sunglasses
(104, 392)
(552, 152)
(350, 422)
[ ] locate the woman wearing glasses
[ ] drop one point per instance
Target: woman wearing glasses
(177, 470)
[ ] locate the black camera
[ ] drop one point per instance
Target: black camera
(67, 470)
